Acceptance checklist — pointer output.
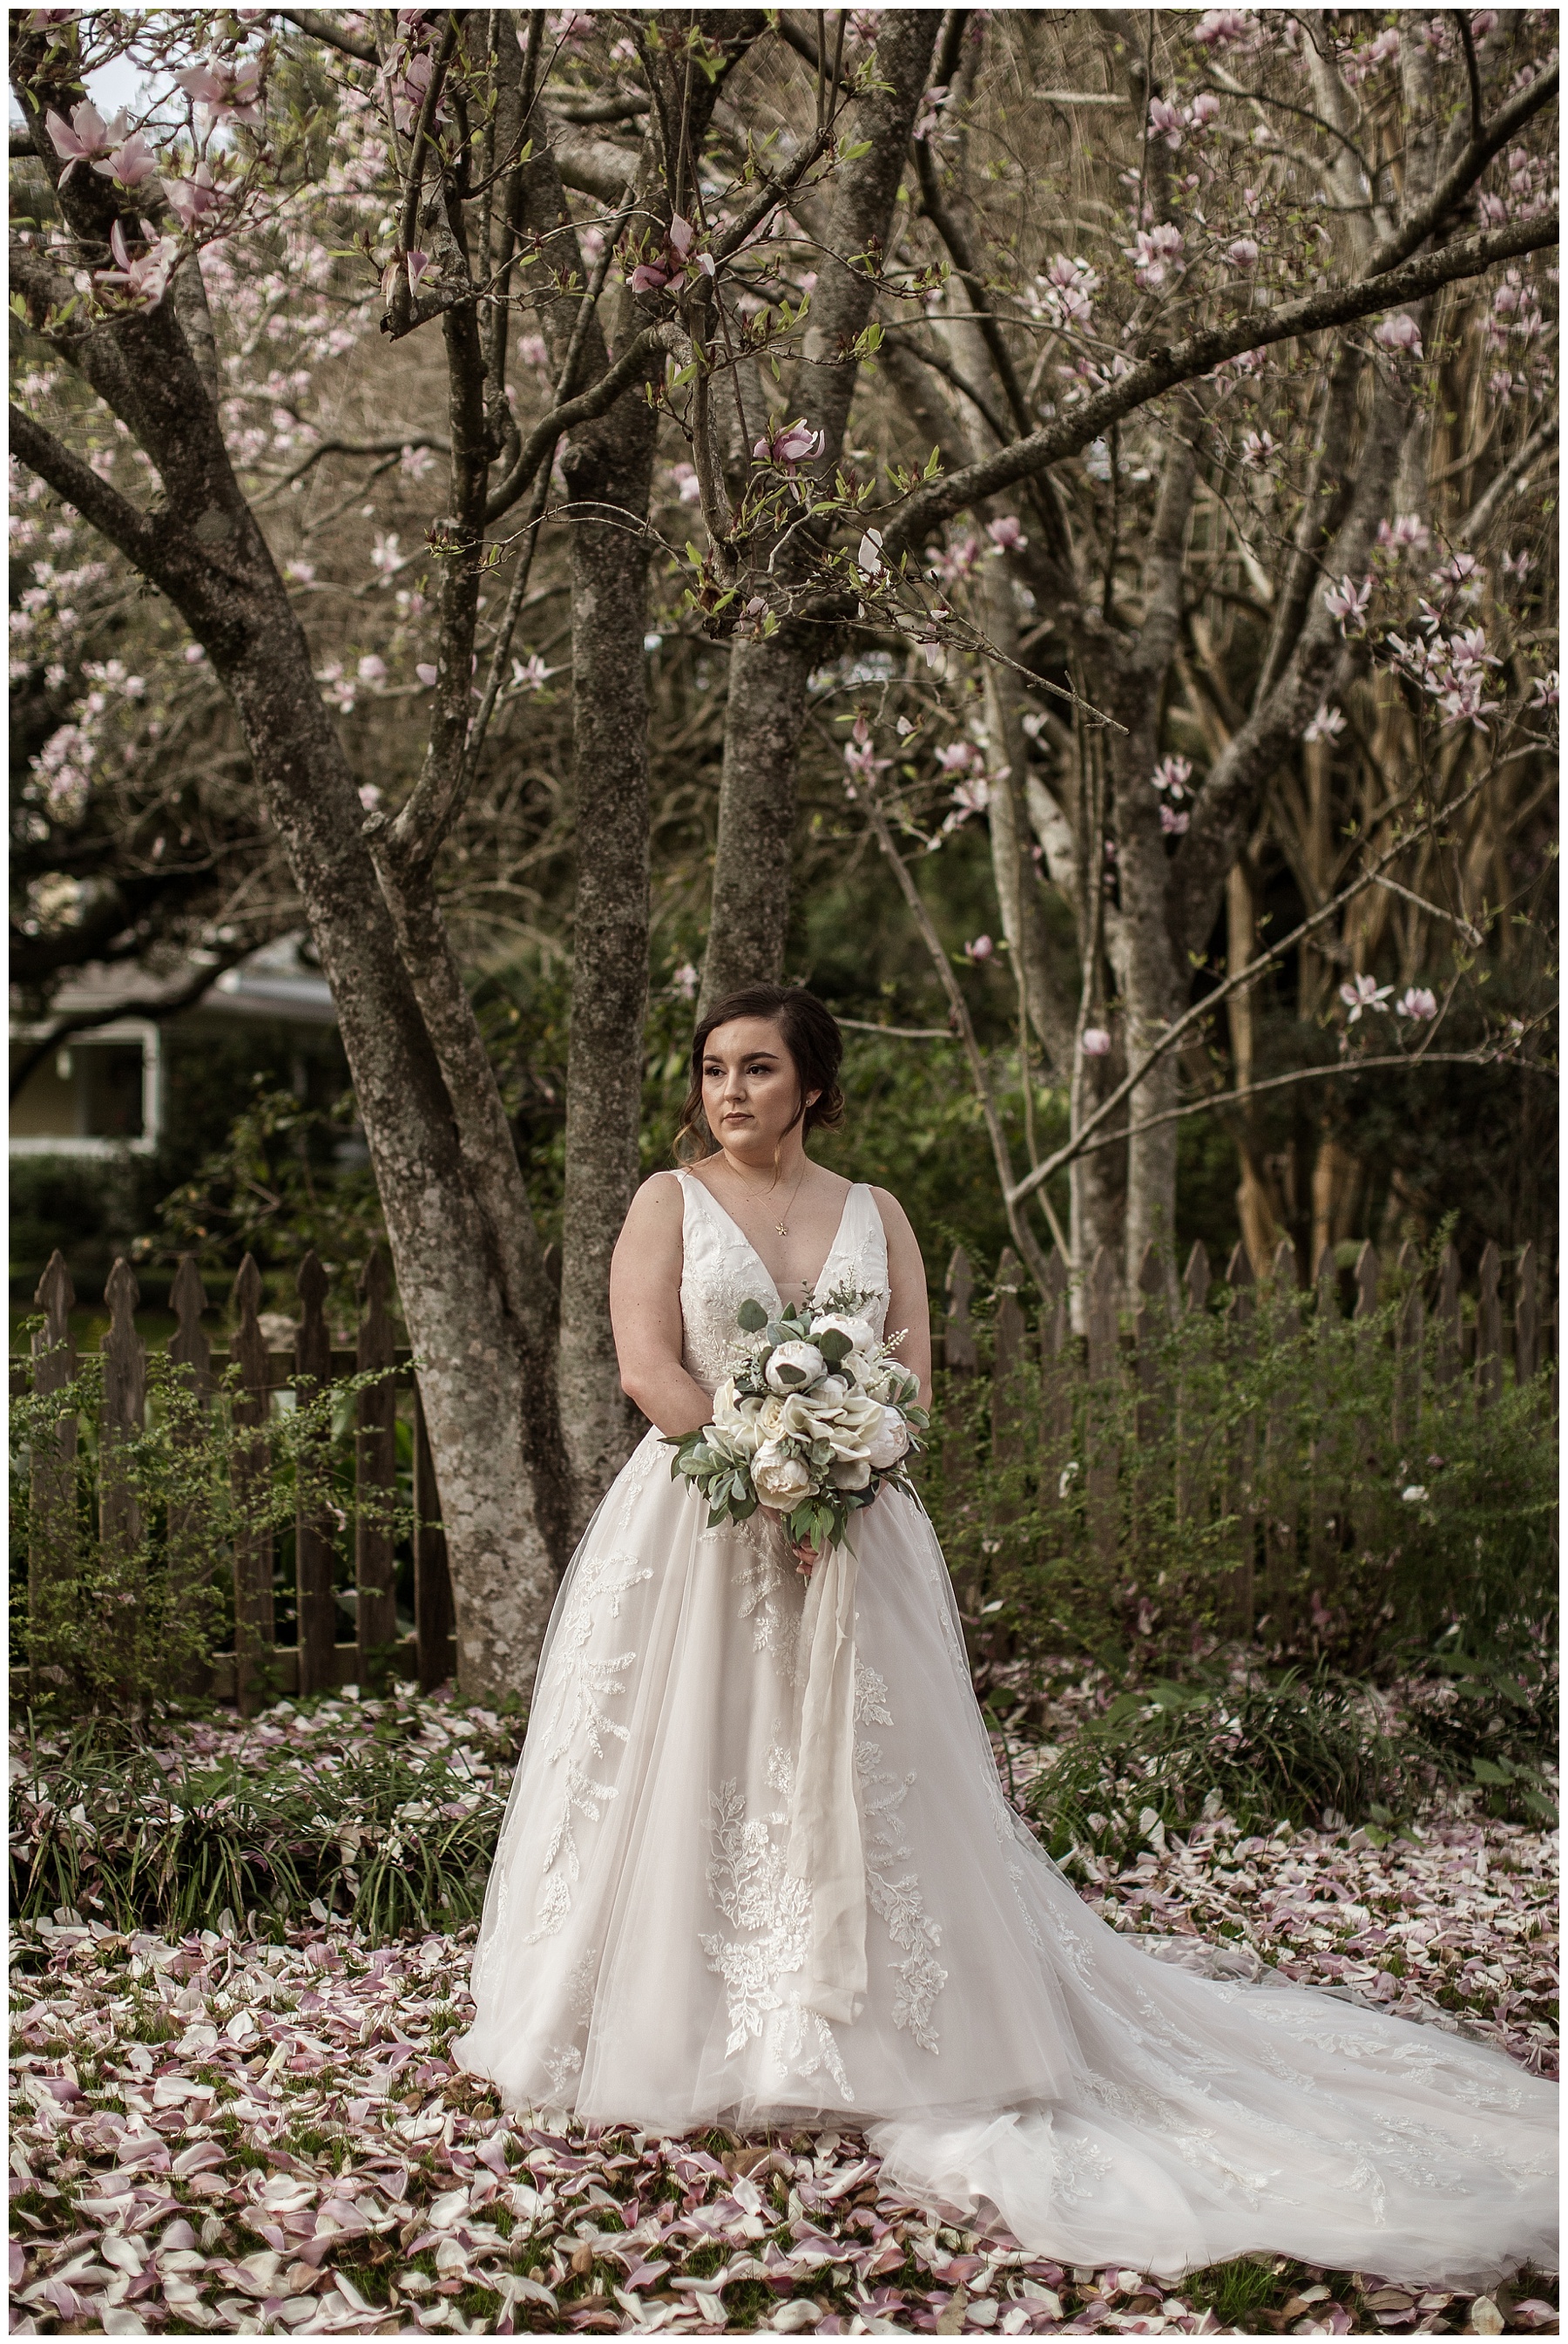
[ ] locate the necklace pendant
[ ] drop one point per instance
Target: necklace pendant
(781, 1229)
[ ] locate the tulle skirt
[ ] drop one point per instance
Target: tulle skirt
(643, 1939)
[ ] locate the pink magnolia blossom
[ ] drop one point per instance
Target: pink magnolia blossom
(372, 668)
(1069, 287)
(932, 103)
(1347, 602)
(1164, 122)
(228, 92)
(1416, 1002)
(145, 279)
(1224, 28)
(132, 162)
(794, 443)
(868, 554)
(86, 137)
(981, 948)
(1203, 109)
(960, 757)
(1405, 530)
(530, 675)
(685, 981)
(1172, 777)
(969, 797)
(191, 200)
(427, 673)
(1005, 533)
(1095, 1043)
(1544, 691)
(1172, 824)
(1363, 992)
(1483, 22)
(1399, 333)
(1326, 725)
(1257, 447)
(860, 756)
(1242, 252)
(370, 796)
(1153, 252)
(687, 482)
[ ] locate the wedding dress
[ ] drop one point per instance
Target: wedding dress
(645, 1952)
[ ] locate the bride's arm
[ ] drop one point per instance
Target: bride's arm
(645, 1310)
(907, 1305)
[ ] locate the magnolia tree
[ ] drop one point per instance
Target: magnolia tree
(1091, 377)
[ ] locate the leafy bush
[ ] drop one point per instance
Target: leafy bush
(1255, 1486)
(388, 1811)
(1162, 1758)
(117, 1603)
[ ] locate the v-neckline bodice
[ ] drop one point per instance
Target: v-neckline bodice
(832, 1250)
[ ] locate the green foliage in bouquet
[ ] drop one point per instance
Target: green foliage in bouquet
(814, 1418)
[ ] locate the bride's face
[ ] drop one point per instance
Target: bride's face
(750, 1090)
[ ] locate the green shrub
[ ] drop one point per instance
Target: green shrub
(117, 1607)
(1254, 1487)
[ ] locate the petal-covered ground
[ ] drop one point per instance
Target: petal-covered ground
(231, 2136)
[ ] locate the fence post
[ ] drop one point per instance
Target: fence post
(124, 1420)
(254, 1634)
(962, 1363)
(1149, 1327)
(1410, 1335)
(1450, 1358)
(1488, 1328)
(1100, 1457)
(52, 1545)
(1056, 1382)
(1526, 1319)
(1280, 1443)
(1323, 1455)
(189, 1536)
(1191, 1485)
(314, 1603)
(434, 1613)
(1244, 1450)
(375, 1471)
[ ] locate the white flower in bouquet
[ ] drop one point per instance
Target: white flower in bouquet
(857, 1331)
(737, 1422)
(890, 1441)
(793, 1366)
(779, 1477)
(850, 1473)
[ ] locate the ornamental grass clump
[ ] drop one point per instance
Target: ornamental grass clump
(386, 1811)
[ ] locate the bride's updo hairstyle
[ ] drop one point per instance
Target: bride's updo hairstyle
(811, 1034)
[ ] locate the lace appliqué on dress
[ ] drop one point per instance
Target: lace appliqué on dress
(580, 1682)
(899, 1900)
(751, 1883)
(564, 2060)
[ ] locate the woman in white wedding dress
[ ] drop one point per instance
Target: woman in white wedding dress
(648, 1955)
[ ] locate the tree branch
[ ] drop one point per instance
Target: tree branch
(1489, 503)
(1245, 976)
(156, 1006)
(330, 31)
(1456, 183)
(1218, 1100)
(1199, 354)
(99, 504)
(598, 398)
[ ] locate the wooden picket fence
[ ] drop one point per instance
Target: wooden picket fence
(317, 1663)
(1049, 1389)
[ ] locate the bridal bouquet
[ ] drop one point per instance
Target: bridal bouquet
(813, 1418)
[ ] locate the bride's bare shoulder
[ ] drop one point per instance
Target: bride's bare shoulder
(894, 1218)
(656, 1209)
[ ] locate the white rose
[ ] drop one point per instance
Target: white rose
(793, 1366)
(830, 1391)
(779, 1479)
(889, 1441)
(736, 1421)
(850, 1473)
(834, 1322)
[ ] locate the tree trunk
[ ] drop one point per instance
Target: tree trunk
(767, 708)
(497, 1512)
(613, 467)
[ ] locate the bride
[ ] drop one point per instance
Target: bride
(649, 1955)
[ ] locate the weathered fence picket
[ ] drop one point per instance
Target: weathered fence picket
(314, 1603)
(317, 1663)
(1102, 1458)
(1242, 1497)
(1280, 1442)
(1488, 1328)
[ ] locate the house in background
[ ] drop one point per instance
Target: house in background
(126, 1109)
(103, 1090)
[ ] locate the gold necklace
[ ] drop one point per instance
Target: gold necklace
(782, 1226)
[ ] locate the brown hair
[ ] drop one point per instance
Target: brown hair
(811, 1036)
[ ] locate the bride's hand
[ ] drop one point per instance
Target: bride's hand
(807, 1556)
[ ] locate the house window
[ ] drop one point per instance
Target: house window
(93, 1095)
